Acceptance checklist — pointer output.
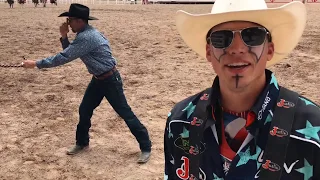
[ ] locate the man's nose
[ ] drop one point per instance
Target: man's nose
(237, 46)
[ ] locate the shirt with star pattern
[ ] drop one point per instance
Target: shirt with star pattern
(303, 153)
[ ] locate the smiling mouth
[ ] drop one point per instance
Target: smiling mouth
(237, 65)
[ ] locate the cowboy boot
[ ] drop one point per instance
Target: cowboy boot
(76, 149)
(144, 157)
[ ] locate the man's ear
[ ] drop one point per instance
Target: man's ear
(208, 52)
(270, 51)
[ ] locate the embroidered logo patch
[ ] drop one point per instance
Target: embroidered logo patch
(285, 104)
(278, 132)
(271, 166)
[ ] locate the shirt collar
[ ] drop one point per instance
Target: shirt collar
(87, 26)
(264, 101)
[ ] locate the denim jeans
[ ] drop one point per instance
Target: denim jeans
(112, 89)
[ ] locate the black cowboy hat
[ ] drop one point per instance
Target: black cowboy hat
(78, 11)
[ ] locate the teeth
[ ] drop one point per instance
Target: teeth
(237, 64)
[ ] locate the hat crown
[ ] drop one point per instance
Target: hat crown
(223, 6)
(79, 9)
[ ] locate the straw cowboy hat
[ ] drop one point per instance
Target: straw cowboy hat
(286, 23)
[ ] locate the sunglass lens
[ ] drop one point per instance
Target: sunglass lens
(221, 39)
(254, 36)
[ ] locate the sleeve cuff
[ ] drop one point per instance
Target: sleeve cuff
(63, 39)
(38, 64)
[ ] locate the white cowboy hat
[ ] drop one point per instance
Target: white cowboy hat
(286, 23)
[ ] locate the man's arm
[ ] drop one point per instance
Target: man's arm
(60, 58)
(309, 111)
(168, 156)
(64, 30)
(64, 42)
(316, 167)
(77, 48)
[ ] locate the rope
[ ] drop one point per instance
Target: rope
(11, 65)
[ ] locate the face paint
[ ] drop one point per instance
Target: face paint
(237, 77)
(218, 53)
(257, 50)
(224, 53)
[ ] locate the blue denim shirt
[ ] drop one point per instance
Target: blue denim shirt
(90, 46)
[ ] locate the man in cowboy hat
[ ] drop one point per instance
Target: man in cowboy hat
(93, 49)
(246, 125)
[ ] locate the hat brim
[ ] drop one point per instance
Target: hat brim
(67, 14)
(285, 23)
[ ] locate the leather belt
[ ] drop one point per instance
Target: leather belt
(106, 74)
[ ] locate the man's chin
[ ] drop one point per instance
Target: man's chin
(238, 83)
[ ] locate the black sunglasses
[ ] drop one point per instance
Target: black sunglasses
(252, 36)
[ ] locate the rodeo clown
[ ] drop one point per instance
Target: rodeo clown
(246, 126)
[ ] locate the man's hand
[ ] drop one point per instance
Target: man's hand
(64, 29)
(29, 64)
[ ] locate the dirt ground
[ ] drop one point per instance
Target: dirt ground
(39, 108)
